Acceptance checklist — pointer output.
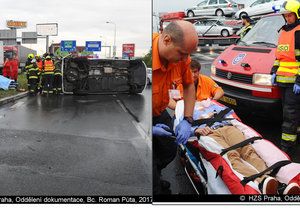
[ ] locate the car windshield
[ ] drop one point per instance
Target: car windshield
(264, 33)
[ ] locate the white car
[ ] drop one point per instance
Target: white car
(213, 28)
(149, 76)
(212, 7)
(259, 7)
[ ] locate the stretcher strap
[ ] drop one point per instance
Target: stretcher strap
(220, 171)
(195, 153)
(274, 168)
(217, 118)
(241, 144)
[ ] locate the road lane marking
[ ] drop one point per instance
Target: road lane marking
(122, 106)
(207, 57)
(16, 105)
(206, 63)
(143, 133)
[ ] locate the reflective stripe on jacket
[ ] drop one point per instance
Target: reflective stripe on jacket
(288, 66)
(48, 65)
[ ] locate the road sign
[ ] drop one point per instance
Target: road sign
(68, 45)
(47, 29)
(128, 50)
(92, 46)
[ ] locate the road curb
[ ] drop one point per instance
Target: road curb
(13, 98)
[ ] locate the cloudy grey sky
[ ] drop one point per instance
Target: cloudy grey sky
(85, 20)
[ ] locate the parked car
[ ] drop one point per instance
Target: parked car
(213, 28)
(149, 76)
(259, 7)
(213, 7)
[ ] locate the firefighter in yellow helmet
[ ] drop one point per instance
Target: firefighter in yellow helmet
(286, 72)
(48, 75)
(28, 65)
(33, 77)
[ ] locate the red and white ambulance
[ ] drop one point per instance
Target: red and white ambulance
(243, 70)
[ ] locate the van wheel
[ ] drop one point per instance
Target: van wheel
(225, 33)
(190, 14)
(219, 13)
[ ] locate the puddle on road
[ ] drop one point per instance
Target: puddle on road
(86, 101)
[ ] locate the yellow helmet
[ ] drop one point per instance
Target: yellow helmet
(30, 56)
(291, 6)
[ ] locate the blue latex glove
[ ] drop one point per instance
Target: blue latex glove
(159, 130)
(273, 79)
(192, 132)
(182, 132)
(296, 89)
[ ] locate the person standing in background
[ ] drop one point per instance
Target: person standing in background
(286, 73)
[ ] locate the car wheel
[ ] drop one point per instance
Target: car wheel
(243, 14)
(190, 14)
(219, 13)
(225, 33)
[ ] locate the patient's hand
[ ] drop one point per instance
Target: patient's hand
(203, 131)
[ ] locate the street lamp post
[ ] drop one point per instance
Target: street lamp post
(114, 47)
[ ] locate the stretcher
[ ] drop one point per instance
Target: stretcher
(6, 83)
(206, 162)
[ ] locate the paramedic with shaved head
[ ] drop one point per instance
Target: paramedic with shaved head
(171, 66)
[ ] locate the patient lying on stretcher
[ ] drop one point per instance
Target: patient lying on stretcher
(228, 135)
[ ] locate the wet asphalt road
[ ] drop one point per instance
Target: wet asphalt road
(76, 145)
(269, 129)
